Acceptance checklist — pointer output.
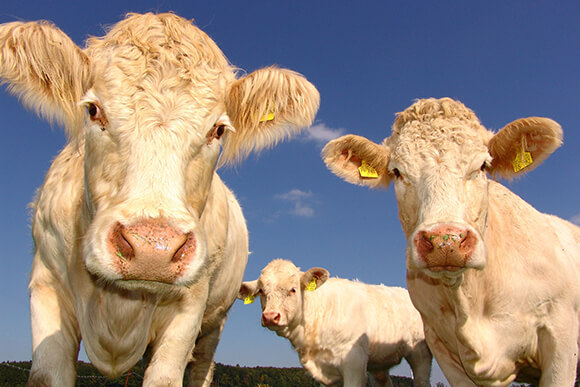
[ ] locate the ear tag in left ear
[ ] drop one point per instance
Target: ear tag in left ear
(311, 286)
(523, 158)
(249, 299)
(367, 171)
(268, 116)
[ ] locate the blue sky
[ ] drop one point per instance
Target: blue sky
(369, 60)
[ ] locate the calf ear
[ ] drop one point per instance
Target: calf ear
(265, 107)
(43, 66)
(313, 278)
(249, 288)
(358, 161)
(522, 145)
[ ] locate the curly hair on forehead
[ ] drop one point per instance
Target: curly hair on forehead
(430, 109)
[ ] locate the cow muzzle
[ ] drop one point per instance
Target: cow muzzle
(150, 250)
(270, 319)
(447, 248)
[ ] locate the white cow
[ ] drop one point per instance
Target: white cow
(497, 282)
(344, 328)
(139, 244)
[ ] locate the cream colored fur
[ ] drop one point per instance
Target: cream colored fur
(147, 108)
(342, 328)
(512, 312)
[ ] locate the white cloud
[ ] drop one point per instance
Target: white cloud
(575, 219)
(301, 201)
(321, 134)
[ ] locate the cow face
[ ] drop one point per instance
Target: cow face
(150, 106)
(438, 157)
(281, 289)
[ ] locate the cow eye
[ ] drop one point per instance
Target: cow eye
(219, 131)
(94, 111)
(260, 291)
(292, 291)
(96, 114)
(396, 173)
(483, 166)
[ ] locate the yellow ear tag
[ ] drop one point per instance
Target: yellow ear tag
(366, 170)
(523, 158)
(249, 299)
(311, 286)
(269, 116)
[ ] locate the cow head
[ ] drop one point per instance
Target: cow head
(150, 105)
(281, 288)
(438, 157)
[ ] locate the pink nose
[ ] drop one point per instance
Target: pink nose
(445, 247)
(270, 319)
(151, 250)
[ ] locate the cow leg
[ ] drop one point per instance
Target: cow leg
(381, 379)
(201, 369)
(448, 362)
(172, 350)
(354, 366)
(55, 333)
(420, 360)
(559, 351)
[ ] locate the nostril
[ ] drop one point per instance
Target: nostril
(123, 248)
(185, 248)
(423, 243)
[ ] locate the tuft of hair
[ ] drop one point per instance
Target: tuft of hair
(430, 109)
(287, 96)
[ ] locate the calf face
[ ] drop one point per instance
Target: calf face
(150, 106)
(438, 157)
(281, 288)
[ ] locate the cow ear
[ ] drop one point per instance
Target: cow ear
(358, 161)
(248, 289)
(522, 145)
(313, 278)
(43, 66)
(265, 107)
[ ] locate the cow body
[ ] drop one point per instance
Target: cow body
(140, 248)
(497, 282)
(343, 328)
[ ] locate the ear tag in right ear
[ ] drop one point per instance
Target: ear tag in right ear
(269, 116)
(249, 299)
(367, 171)
(523, 158)
(311, 286)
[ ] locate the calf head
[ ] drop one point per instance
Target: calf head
(438, 156)
(150, 106)
(281, 288)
